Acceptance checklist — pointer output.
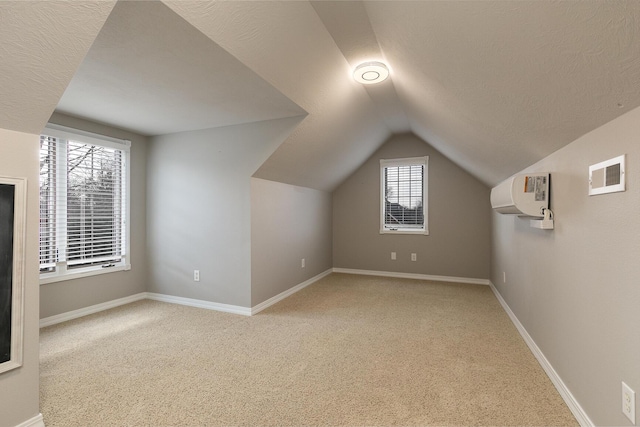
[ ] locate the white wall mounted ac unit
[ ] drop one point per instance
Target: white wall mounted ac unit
(523, 195)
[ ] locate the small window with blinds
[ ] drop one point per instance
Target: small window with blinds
(403, 195)
(83, 204)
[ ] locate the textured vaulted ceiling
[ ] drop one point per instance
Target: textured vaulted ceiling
(493, 85)
(287, 44)
(154, 73)
(496, 86)
(41, 46)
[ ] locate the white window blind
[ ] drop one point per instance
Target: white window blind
(83, 202)
(48, 243)
(403, 195)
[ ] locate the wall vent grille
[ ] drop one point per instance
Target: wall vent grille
(607, 176)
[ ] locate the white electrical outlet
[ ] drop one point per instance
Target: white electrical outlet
(393, 255)
(629, 402)
(504, 277)
(414, 257)
(302, 263)
(196, 275)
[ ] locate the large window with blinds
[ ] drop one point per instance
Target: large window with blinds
(403, 195)
(84, 209)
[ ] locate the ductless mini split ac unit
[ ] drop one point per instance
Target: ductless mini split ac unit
(525, 195)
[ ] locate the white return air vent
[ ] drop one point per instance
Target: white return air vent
(607, 176)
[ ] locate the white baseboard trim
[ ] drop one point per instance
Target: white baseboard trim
(468, 280)
(245, 311)
(577, 411)
(70, 315)
(268, 303)
(36, 421)
(227, 308)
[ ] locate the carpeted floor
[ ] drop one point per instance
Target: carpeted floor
(348, 351)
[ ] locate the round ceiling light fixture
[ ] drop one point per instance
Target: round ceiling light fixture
(371, 72)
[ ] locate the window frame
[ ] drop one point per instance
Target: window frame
(61, 272)
(409, 161)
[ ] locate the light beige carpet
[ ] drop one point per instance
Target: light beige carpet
(348, 350)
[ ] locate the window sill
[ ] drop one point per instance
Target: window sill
(414, 232)
(86, 272)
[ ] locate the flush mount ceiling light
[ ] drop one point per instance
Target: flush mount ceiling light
(371, 72)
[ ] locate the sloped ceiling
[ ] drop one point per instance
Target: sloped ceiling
(41, 46)
(154, 73)
(494, 85)
(287, 44)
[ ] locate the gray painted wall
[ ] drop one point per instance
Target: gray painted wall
(68, 295)
(288, 223)
(459, 219)
(19, 388)
(575, 289)
(199, 209)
